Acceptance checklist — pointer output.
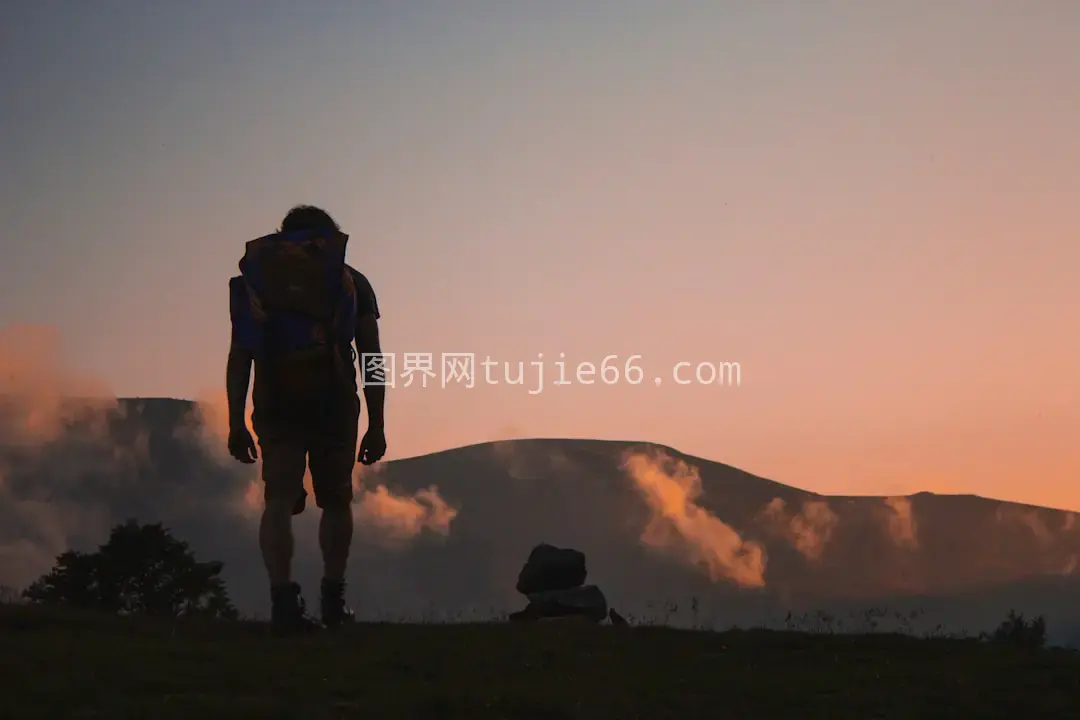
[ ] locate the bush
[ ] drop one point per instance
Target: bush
(141, 570)
(1015, 631)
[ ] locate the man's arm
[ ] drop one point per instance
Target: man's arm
(245, 334)
(367, 343)
(237, 378)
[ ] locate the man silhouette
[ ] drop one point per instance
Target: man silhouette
(296, 309)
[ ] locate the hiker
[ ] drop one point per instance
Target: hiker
(296, 309)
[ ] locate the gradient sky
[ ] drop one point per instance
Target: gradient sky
(874, 207)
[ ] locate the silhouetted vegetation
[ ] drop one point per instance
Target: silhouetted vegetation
(141, 667)
(1017, 632)
(141, 570)
(819, 665)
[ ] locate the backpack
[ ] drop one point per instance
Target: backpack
(303, 301)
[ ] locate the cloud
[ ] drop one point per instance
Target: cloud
(679, 524)
(75, 460)
(900, 522)
(398, 518)
(530, 460)
(392, 519)
(809, 531)
(1027, 518)
(56, 433)
(40, 394)
(388, 517)
(208, 427)
(510, 456)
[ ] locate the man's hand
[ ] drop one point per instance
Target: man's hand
(372, 446)
(237, 376)
(242, 445)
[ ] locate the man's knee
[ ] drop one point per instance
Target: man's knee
(332, 479)
(331, 476)
(283, 472)
(334, 497)
(278, 507)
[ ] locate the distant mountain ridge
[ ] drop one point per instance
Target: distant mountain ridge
(965, 557)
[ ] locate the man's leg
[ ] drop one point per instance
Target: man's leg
(335, 540)
(332, 462)
(284, 462)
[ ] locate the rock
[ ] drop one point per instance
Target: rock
(550, 568)
(586, 601)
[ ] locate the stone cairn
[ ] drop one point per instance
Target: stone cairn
(553, 580)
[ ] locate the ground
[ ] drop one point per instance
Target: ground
(61, 664)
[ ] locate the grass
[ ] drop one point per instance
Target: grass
(68, 664)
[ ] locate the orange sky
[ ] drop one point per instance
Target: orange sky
(874, 211)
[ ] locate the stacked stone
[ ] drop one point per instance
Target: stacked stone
(553, 580)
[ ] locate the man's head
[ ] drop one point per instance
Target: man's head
(309, 217)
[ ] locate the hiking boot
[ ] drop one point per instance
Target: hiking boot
(288, 613)
(334, 610)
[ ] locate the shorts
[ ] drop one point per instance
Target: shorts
(330, 455)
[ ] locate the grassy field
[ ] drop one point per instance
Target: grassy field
(57, 664)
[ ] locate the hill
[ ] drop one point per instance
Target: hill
(69, 665)
(442, 536)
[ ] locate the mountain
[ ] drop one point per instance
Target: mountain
(443, 536)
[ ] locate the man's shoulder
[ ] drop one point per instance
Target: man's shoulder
(363, 285)
(365, 294)
(237, 290)
(358, 276)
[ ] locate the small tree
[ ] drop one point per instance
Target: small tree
(1014, 630)
(142, 569)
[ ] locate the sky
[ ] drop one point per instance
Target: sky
(871, 207)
